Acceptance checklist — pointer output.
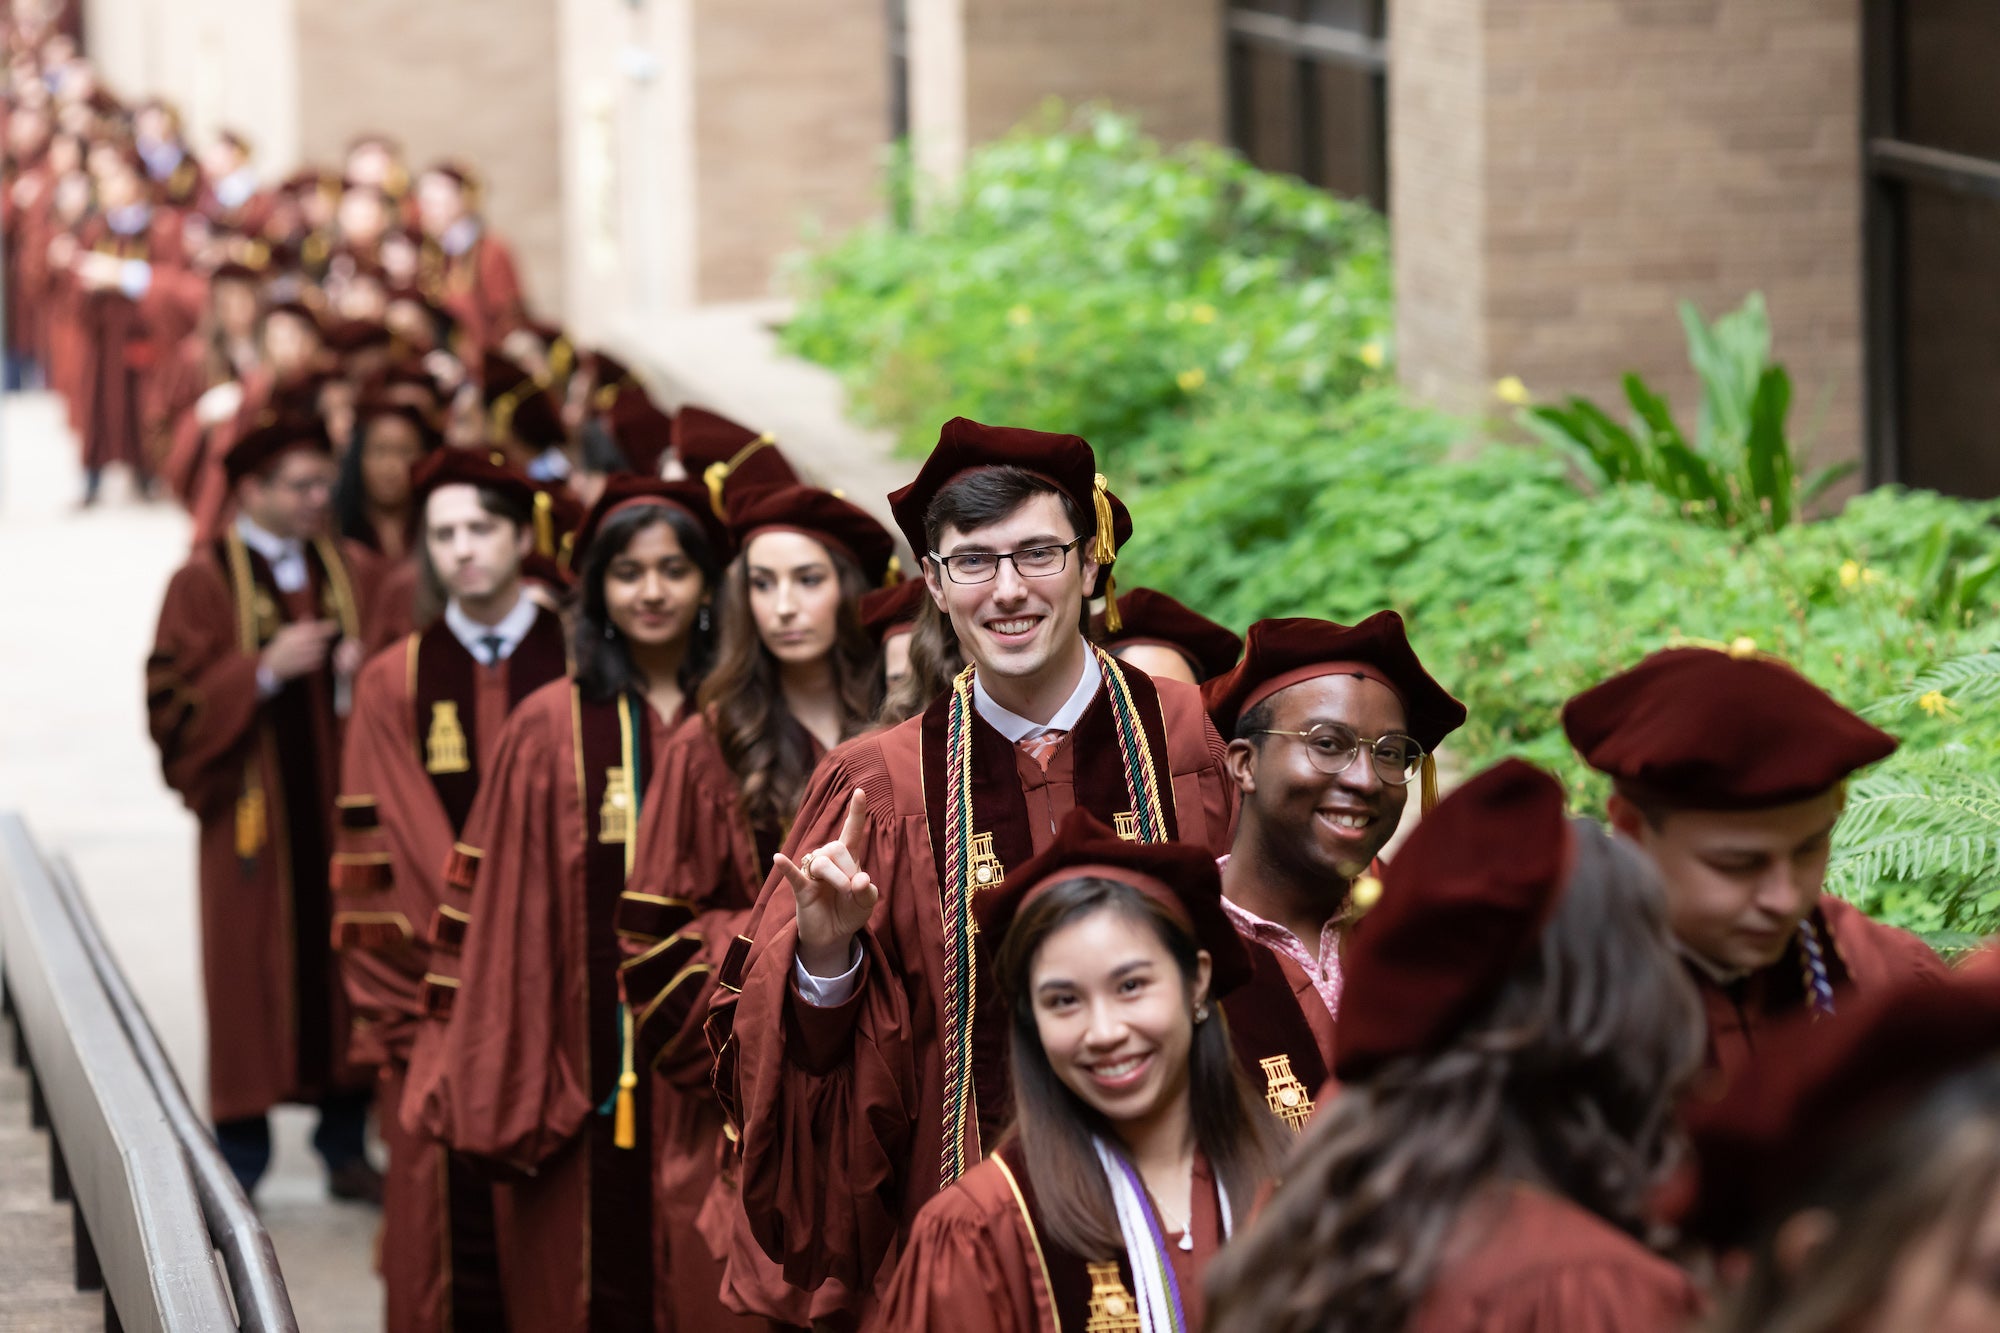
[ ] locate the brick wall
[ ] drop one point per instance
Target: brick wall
(1437, 182)
(470, 79)
(790, 126)
(979, 67)
(1632, 153)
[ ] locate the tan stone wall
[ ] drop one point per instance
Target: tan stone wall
(226, 64)
(468, 79)
(790, 128)
(1437, 180)
(1635, 152)
(979, 67)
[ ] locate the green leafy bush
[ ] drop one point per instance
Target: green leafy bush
(1085, 279)
(1741, 469)
(1078, 275)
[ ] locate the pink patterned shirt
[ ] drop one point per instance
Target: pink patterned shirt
(1323, 970)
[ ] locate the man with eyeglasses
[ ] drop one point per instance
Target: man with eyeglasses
(1730, 772)
(861, 1047)
(258, 642)
(1329, 725)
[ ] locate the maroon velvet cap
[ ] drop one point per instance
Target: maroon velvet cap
(270, 440)
(465, 467)
(1788, 1122)
(1150, 617)
(726, 456)
(965, 445)
(1462, 904)
(630, 490)
(1180, 876)
(893, 610)
(1703, 729)
(356, 335)
(517, 405)
(824, 517)
(642, 432)
(1282, 653)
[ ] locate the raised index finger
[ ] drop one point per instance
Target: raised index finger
(856, 827)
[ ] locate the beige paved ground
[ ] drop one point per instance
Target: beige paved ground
(78, 594)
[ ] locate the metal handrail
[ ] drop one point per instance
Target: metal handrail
(127, 1148)
(262, 1303)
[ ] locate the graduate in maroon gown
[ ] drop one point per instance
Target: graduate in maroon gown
(467, 269)
(201, 385)
(1138, 1146)
(1329, 727)
(121, 256)
(857, 1043)
(290, 348)
(375, 502)
(794, 676)
(532, 1067)
(1869, 1189)
(1164, 638)
(258, 644)
(1731, 774)
(1515, 1032)
(890, 617)
(428, 714)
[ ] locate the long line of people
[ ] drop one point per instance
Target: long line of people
(725, 929)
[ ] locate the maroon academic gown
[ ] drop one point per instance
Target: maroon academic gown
(480, 288)
(1521, 1260)
(119, 345)
(842, 1110)
(260, 775)
(703, 871)
(524, 1072)
(426, 716)
(1861, 955)
(980, 1260)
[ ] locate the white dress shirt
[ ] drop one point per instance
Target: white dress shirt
(287, 559)
(826, 992)
(510, 629)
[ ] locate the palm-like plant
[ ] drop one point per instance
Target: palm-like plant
(1741, 470)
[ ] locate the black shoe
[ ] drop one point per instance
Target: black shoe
(355, 1181)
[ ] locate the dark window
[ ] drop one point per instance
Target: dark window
(1932, 123)
(1308, 91)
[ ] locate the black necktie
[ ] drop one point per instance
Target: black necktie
(492, 642)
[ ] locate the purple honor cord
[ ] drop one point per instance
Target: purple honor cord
(1159, 1237)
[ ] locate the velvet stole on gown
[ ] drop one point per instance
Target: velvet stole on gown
(1000, 809)
(614, 764)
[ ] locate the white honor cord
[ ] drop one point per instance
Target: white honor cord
(1136, 1229)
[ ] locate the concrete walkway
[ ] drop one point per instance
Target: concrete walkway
(79, 592)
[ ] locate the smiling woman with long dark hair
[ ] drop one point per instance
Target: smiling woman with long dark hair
(1137, 1148)
(537, 1073)
(794, 675)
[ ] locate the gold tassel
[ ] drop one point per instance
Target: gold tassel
(1428, 793)
(1113, 622)
(893, 573)
(717, 474)
(250, 821)
(562, 358)
(545, 526)
(624, 1129)
(1105, 549)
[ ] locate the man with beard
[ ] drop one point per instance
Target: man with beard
(1330, 724)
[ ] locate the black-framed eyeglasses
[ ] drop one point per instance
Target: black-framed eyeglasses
(1036, 562)
(1333, 747)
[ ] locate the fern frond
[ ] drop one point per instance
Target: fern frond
(1971, 679)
